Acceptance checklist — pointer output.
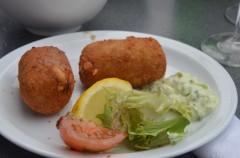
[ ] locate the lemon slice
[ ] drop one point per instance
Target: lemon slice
(93, 100)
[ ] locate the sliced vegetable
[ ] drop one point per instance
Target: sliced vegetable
(81, 135)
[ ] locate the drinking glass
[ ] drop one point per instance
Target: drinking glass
(225, 47)
(231, 13)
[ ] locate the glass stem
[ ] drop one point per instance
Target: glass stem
(237, 26)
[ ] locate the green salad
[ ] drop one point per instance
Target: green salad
(158, 114)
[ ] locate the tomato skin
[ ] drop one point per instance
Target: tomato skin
(80, 134)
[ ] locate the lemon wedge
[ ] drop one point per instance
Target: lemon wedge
(93, 100)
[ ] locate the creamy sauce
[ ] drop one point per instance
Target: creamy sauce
(182, 88)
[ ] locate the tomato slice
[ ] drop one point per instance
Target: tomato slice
(80, 134)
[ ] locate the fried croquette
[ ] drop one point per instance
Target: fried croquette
(46, 79)
(137, 60)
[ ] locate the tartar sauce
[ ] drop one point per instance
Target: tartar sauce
(187, 92)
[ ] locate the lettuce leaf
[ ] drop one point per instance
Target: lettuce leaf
(142, 116)
(106, 117)
(139, 99)
(151, 134)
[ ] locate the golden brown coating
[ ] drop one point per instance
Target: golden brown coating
(46, 79)
(137, 60)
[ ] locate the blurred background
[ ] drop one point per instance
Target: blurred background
(189, 21)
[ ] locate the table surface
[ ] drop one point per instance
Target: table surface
(188, 21)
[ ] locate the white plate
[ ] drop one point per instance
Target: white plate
(39, 134)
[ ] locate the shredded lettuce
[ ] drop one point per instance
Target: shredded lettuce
(128, 114)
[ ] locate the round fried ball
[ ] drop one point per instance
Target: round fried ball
(46, 79)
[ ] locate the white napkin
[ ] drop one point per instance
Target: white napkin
(226, 145)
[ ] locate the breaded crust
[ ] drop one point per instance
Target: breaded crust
(137, 60)
(46, 79)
